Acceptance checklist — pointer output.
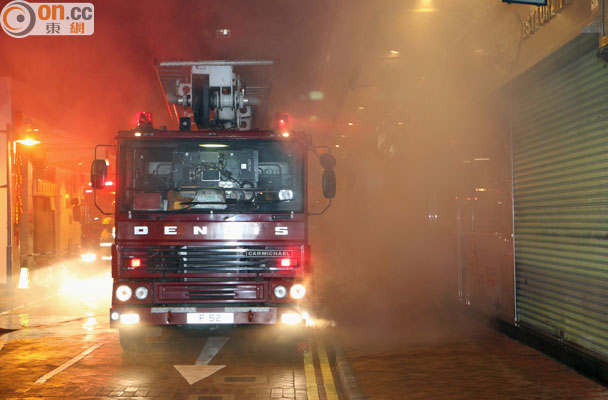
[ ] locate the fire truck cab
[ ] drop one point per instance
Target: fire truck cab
(211, 224)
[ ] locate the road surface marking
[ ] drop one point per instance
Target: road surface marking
(194, 373)
(31, 303)
(311, 379)
(211, 348)
(12, 309)
(200, 369)
(68, 364)
(328, 378)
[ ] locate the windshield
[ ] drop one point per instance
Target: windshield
(220, 176)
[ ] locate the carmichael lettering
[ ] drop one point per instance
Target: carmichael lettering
(269, 253)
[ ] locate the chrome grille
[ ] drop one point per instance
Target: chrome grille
(212, 259)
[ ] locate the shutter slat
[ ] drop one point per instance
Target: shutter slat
(560, 189)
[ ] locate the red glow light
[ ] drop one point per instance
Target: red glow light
(282, 122)
(285, 262)
(135, 262)
(468, 199)
(144, 118)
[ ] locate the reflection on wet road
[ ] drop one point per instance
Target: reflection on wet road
(61, 346)
(73, 306)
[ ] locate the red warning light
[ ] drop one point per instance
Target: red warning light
(135, 262)
(285, 262)
(144, 119)
(282, 123)
(468, 199)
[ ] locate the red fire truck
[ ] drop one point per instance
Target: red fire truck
(211, 224)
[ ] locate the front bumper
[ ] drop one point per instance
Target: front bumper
(178, 315)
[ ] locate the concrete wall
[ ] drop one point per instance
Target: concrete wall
(5, 118)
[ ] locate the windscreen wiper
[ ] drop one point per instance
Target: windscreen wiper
(169, 212)
(196, 203)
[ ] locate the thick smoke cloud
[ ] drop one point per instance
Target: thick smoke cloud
(93, 86)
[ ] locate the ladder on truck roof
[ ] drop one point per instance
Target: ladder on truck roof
(212, 93)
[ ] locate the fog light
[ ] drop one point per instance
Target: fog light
(123, 293)
(291, 318)
(280, 291)
(88, 257)
(297, 291)
(114, 316)
(141, 292)
(129, 319)
(285, 195)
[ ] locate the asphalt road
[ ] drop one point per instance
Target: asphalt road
(56, 343)
(59, 346)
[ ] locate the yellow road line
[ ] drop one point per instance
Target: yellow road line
(328, 378)
(311, 379)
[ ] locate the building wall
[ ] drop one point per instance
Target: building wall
(5, 118)
(504, 42)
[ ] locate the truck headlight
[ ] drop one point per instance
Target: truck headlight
(285, 195)
(129, 319)
(141, 293)
(280, 291)
(291, 318)
(297, 291)
(123, 293)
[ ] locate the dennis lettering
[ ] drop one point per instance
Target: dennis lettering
(170, 230)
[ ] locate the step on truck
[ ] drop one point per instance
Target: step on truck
(211, 219)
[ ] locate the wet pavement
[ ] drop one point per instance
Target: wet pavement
(474, 363)
(248, 372)
(56, 343)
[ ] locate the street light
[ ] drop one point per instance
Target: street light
(10, 153)
(9, 208)
(27, 142)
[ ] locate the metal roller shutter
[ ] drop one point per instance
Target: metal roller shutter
(560, 187)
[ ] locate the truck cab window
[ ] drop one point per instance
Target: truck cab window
(261, 176)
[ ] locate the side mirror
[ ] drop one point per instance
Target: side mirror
(76, 213)
(327, 161)
(99, 172)
(329, 183)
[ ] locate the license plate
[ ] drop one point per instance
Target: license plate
(210, 318)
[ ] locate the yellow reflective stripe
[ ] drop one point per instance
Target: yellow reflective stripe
(311, 379)
(328, 378)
